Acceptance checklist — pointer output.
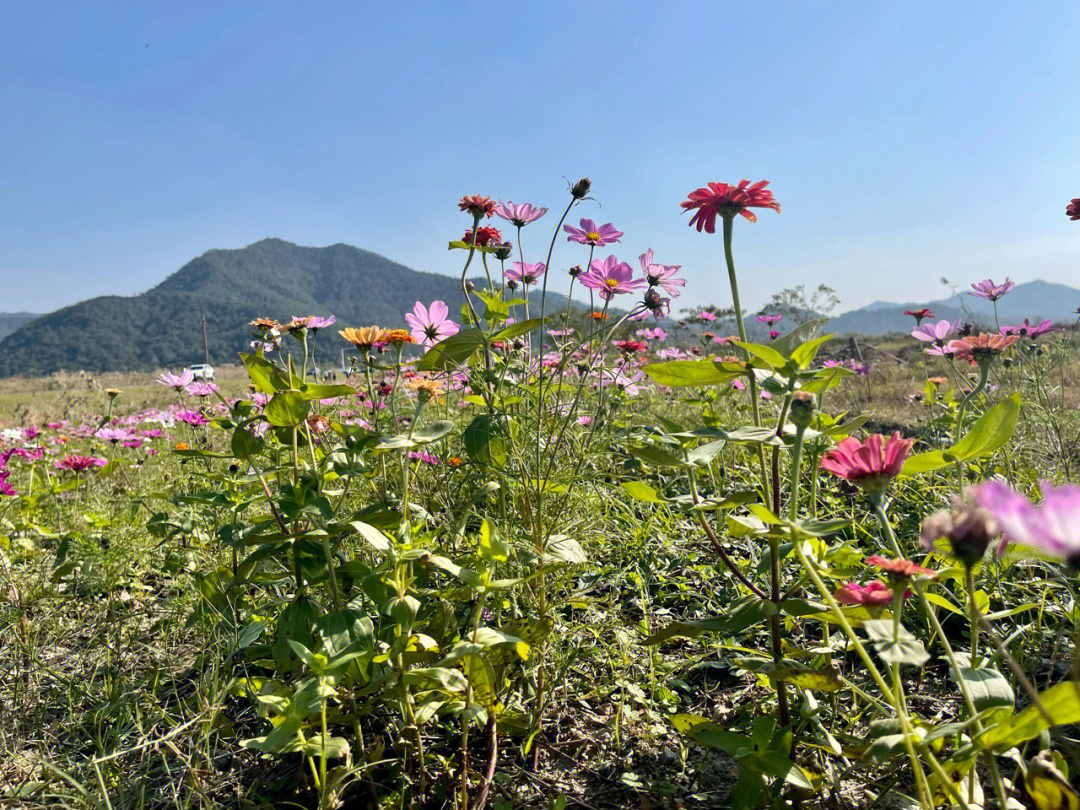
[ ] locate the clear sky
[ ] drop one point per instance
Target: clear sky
(905, 140)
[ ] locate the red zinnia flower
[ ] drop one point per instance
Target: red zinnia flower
(727, 200)
(981, 348)
(874, 594)
(629, 346)
(919, 314)
(477, 205)
(899, 568)
(871, 460)
(485, 235)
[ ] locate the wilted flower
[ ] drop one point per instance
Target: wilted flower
(267, 325)
(967, 527)
(982, 348)
(526, 273)
(990, 291)
(592, 234)
(477, 205)
(610, 277)
(176, 381)
(521, 215)
(727, 201)
(1052, 526)
(661, 275)
(871, 463)
(365, 337)
(430, 325)
(1072, 210)
(655, 304)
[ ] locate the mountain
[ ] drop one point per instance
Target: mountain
(1034, 300)
(10, 321)
(163, 326)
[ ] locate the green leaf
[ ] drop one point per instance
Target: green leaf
(656, 456)
(904, 648)
(683, 373)
(372, 536)
(1062, 704)
(263, 374)
(744, 613)
(244, 444)
(924, 462)
(990, 431)
(452, 351)
(826, 679)
(517, 329)
(486, 441)
(707, 733)
(805, 353)
(319, 391)
(432, 431)
(639, 490)
(563, 549)
(767, 353)
(989, 689)
(287, 409)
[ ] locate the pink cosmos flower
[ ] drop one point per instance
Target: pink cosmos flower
(80, 463)
(113, 435)
(769, 319)
(176, 381)
(610, 277)
(201, 389)
(870, 461)
(1052, 526)
(592, 234)
(520, 215)
(317, 322)
(990, 291)
(935, 332)
(705, 315)
(652, 334)
(662, 275)
(193, 418)
(526, 273)
(727, 200)
(431, 324)
(1027, 330)
(874, 594)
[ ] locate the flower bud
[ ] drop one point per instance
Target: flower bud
(503, 250)
(575, 271)
(967, 527)
(519, 344)
(470, 286)
(403, 610)
(803, 409)
(511, 285)
(581, 188)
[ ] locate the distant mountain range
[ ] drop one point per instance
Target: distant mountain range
(162, 328)
(1032, 300)
(10, 321)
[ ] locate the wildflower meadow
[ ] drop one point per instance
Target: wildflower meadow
(605, 549)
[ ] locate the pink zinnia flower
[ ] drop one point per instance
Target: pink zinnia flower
(80, 463)
(1072, 210)
(431, 324)
(1052, 525)
(726, 200)
(592, 234)
(871, 463)
(520, 215)
(526, 273)
(477, 204)
(610, 277)
(990, 291)
(904, 569)
(769, 319)
(874, 594)
(662, 275)
(176, 381)
(774, 334)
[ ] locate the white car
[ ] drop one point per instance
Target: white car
(202, 371)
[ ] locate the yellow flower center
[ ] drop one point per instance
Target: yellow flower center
(611, 282)
(593, 236)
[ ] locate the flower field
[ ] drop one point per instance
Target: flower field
(587, 554)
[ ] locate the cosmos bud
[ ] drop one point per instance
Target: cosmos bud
(575, 271)
(503, 250)
(470, 286)
(581, 188)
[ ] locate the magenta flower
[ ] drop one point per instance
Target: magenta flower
(193, 418)
(990, 291)
(592, 234)
(176, 381)
(1052, 526)
(526, 273)
(5, 487)
(769, 319)
(662, 275)
(936, 332)
(610, 277)
(1027, 330)
(520, 215)
(431, 324)
(80, 463)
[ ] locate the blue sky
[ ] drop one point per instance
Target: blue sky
(905, 141)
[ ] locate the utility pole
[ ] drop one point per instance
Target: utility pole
(205, 344)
